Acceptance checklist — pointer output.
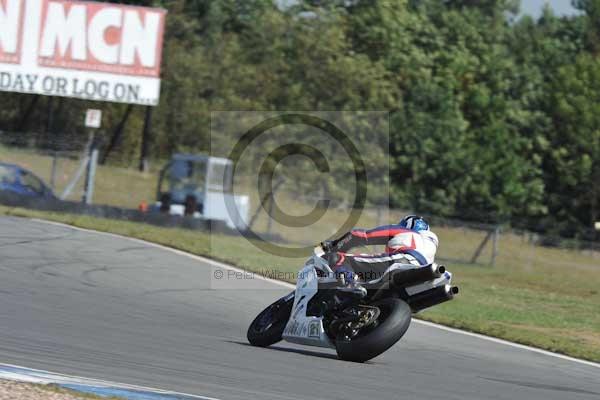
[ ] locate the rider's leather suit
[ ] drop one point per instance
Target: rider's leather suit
(403, 246)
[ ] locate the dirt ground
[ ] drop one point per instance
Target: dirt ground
(10, 390)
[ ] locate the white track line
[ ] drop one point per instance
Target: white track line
(44, 377)
(290, 286)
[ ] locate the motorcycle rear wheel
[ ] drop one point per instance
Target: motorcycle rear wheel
(391, 325)
(267, 328)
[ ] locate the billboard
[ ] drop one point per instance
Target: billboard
(87, 50)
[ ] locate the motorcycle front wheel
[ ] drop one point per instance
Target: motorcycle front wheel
(268, 326)
(372, 340)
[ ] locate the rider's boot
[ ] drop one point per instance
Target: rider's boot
(349, 284)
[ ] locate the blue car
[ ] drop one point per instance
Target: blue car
(23, 182)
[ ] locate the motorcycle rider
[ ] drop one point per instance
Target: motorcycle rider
(408, 242)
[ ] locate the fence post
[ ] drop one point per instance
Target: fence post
(495, 245)
(54, 170)
(76, 177)
(88, 190)
(480, 247)
(262, 202)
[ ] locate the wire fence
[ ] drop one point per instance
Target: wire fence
(61, 165)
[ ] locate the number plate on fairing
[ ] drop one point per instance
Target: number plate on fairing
(303, 329)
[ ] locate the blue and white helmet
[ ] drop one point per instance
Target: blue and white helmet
(414, 223)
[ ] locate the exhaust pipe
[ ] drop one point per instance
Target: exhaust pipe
(407, 277)
(432, 297)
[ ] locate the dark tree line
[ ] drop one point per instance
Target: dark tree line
(493, 117)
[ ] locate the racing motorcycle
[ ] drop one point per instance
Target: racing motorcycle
(359, 328)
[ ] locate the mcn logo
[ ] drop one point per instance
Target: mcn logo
(89, 36)
(95, 36)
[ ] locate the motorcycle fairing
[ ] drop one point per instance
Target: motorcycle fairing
(303, 329)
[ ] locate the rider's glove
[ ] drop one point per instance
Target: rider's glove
(328, 246)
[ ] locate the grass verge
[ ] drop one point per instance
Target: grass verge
(547, 306)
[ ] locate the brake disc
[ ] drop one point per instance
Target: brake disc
(361, 317)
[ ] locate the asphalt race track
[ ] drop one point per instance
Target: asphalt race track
(110, 308)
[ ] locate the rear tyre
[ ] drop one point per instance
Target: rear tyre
(391, 325)
(268, 326)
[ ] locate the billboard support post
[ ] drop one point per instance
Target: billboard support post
(25, 117)
(54, 168)
(146, 132)
(49, 115)
(116, 135)
(49, 132)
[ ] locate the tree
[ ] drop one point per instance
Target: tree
(572, 165)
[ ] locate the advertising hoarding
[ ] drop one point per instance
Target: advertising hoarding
(87, 50)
